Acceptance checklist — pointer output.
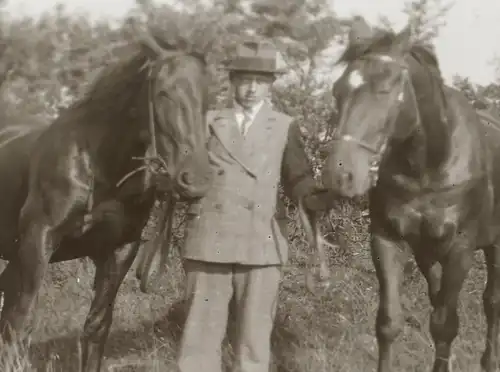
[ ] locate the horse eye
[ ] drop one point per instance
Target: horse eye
(164, 94)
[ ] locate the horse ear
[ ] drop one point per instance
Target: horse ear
(404, 39)
(360, 30)
(154, 50)
(144, 36)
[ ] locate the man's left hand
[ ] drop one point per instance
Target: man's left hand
(163, 183)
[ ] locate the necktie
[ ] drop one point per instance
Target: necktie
(245, 123)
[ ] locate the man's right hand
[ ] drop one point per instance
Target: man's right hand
(320, 200)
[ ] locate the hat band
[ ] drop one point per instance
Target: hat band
(253, 64)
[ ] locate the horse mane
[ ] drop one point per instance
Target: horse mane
(382, 42)
(179, 43)
(113, 91)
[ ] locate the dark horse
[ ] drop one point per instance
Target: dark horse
(71, 189)
(432, 170)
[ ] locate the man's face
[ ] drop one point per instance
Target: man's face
(251, 88)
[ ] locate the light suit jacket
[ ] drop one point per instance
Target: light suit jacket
(241, 219)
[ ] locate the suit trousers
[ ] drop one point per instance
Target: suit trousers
(210, 289)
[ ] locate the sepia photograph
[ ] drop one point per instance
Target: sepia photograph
(249, 186)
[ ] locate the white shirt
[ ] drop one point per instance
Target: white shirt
(241, 113)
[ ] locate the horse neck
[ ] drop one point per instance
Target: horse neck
(123, 139)
(432, 106)
(426, 148)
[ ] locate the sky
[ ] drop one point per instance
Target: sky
(467, 44)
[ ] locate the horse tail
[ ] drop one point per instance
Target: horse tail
(160, 243)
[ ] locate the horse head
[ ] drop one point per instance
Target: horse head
(373, 95)
(178, 102)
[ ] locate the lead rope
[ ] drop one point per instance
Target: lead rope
(152, 128)
(315, 277)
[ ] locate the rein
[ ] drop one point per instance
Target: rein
(154, 163)
(378, 151)
(447, 192)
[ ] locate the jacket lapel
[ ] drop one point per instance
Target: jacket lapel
(260, 133)
(262, 125)
(224, 128)
(260, 136)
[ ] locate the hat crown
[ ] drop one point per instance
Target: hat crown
(258, 56)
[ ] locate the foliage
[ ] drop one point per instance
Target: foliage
(480, 96)
(465, 86)
(426, 17)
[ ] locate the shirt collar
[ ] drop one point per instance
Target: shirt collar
(253, 112)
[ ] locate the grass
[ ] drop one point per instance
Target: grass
(331, 331)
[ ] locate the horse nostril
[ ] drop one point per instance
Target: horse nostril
(186, 178)
(348, 177)
(345, 179)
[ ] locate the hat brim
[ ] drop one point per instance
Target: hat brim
(255, 64)
(255, 71)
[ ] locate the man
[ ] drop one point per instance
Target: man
(234, 248)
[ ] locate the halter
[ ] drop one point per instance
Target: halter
(154, 162)
(378, 151)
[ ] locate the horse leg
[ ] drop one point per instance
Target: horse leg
(2, 280)
(444, 321)
(431, 272)
(110, 272)
(491, 302)
(389, 323)
(9, 294)
(27, 271)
